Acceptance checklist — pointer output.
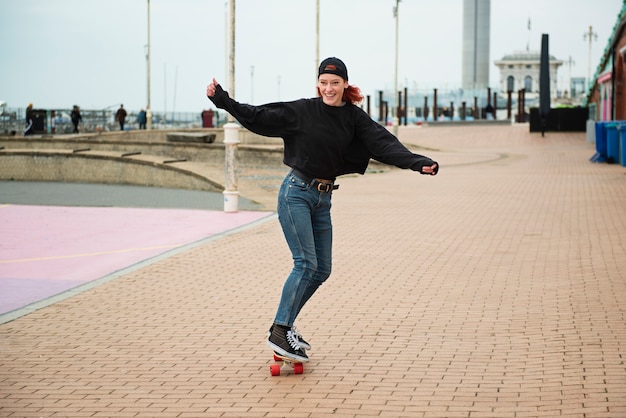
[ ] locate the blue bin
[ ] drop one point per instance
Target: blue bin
(612, 142)
(600, 155)
(622, 145)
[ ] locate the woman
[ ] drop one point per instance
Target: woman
(324, 137)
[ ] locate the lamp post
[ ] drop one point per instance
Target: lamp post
(569, 63)
(317, 40)
(231, 130)
(591, 35)
(148, 108)
(395, 78)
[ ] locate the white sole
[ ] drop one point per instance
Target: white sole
(284, 353)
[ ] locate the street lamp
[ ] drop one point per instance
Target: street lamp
(231, 129)
(395, 79)
(591, 35)
(148, 109)
(317, 40)
(569, 63)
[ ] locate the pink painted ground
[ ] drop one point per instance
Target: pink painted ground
(45, 250)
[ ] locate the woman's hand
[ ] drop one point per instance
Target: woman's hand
(430, 169)
(210, 89)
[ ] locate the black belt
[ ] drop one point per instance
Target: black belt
(320, 186)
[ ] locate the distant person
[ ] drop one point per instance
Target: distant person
(120, 116)
(76, 118)
(490, 112)
(142, 119)
(29, 120)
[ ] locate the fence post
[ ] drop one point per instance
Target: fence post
(231, 142)
(52, 121)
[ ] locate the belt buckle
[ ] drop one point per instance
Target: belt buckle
(324, 187)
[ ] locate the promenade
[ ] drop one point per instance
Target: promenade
(494, 289)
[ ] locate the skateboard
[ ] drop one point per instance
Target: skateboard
(286, 364)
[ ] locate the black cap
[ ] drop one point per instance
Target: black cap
(335, 66)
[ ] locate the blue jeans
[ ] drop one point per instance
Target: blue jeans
(304, 215)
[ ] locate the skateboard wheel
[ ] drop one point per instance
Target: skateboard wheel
(275, 369)
(276, 358)
(298, 368)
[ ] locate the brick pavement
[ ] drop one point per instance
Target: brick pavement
(495, 289)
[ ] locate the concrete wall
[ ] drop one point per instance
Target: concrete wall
(81, 168)
(245, 136)
(132, 157)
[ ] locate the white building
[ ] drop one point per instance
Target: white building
(520, 70)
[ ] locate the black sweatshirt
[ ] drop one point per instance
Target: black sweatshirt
(323, 141)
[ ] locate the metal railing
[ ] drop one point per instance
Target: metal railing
(13, 120)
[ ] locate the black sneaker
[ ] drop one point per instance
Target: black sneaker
(305, 345)
(284, 342)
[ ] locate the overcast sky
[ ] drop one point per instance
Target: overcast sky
(57, 53)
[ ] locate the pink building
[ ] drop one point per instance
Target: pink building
(607, 96)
